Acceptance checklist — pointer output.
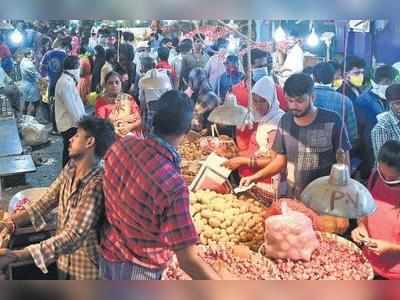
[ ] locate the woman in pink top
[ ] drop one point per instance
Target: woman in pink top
(379, 233)
(121, 109)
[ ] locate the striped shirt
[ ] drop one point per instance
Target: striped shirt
(80, 207)
(387, 129)
(147, 204)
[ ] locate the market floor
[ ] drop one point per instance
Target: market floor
(48, 165)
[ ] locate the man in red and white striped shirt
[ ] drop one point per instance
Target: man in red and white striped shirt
(147, 201)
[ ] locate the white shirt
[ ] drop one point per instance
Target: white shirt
(294, 60)
(69, 107)
(215, 68)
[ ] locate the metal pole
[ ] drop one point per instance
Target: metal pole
(249, 79)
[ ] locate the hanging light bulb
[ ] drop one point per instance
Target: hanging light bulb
(313, 39)
(279, 34)
(232, 44)
(16, 37)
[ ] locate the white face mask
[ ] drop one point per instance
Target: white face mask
(393, 182)
(379, 89)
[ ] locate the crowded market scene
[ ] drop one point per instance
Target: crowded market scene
(199, 150)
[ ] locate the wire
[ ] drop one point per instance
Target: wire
(346, 40)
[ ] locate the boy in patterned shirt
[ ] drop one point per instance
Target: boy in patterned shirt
(77, 192)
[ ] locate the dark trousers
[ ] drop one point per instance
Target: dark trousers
(67, 135)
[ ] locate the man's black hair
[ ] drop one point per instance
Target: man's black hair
(165, 41)
(71, 62)
(147, 63)
(298, 85)
(128, 36)
(324, 73)
(102, 131)
(186, 46)
(174, 114)
(337, 66)
(385, 72)
(354, 62)
(163, 53)
(393, 92)
(390, 154)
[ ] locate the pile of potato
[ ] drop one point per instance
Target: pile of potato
(190, 150)
(191, 156)
(227, 220)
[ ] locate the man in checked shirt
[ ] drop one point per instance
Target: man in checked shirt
(77, 192)
(147, 202)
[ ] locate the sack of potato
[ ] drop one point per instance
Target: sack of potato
(228, 220)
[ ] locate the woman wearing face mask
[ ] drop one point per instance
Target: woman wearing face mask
(379, 233)
(255, 146)
(121, 109)
(205, 100)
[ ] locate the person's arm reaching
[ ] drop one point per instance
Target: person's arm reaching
(276, 166)
(194, 266)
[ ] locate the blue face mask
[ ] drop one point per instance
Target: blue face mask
(259, 73)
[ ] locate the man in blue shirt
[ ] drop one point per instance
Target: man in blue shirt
(52, 66)
(327, 98)
(231, 77)
(371, 103)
